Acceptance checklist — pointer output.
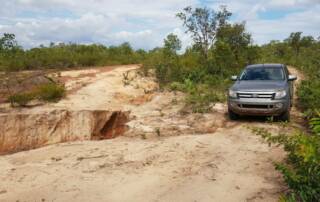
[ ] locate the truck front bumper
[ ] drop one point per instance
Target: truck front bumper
(258, 107)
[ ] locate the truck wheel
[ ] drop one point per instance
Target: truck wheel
(285, 116)
(232, 115)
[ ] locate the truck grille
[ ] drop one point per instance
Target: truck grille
(256, 95)
(250, 106)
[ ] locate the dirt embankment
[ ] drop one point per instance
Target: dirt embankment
(95, 108)
(25, 131)
(161, 155)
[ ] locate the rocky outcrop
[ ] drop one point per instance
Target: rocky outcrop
(24, 131)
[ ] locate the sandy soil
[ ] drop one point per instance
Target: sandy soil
(165, 155)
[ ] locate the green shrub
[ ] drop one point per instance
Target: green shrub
(14, 58)
(162, 74)
(309, 94)
(302, 168)
(201, 102)
(315, 123)
(177, 86)
(50, 92)
(21, 99)
(201, 96)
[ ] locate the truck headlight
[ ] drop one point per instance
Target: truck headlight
(280, 94)
(232, 94)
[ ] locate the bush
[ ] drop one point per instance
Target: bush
(315, 124)
(309, 94)
(21, 99)
(302, 169)
(200, 96)
(302, 173)
(162, 74)
(14, 57)
(200, 102)
(50, 92)
(177, 86)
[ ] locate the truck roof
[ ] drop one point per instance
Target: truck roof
(265, 65)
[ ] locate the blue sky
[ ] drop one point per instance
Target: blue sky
(277, 14)
(144, 23)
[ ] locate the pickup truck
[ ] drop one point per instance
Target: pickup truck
(262, 90)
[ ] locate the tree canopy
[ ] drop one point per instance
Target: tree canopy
(203, 24)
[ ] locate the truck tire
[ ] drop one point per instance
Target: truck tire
(232, 115)
(285, 116)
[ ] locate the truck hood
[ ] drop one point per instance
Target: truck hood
(258, 85)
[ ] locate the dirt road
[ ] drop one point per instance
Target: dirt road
(165, 155)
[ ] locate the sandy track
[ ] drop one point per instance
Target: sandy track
(164, 156)
(227, 165)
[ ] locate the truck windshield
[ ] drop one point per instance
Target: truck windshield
(262, 73)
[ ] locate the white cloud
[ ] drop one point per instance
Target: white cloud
(307, 21)
(305, 17)
(143, 23)
(292, 3)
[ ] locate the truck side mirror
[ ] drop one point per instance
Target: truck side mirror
(292, 78)
(234, 78)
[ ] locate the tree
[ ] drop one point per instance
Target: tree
(8, 42)
(253, 54)
(10, 53)
(223, 57)
(236, 36)
(203, 24)
(126, 48)
(307, 41)
(296, 41)
(172, 43)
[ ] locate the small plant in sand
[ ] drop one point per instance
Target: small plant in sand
(126, 79)
(144, 136)
(158, 132)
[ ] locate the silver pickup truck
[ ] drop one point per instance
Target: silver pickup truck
(262, 90)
